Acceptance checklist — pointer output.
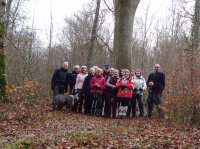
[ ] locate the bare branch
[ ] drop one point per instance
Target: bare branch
(106, 44)
(110, 9)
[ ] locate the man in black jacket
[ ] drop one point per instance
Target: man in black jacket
(60, 81)
(156, 85)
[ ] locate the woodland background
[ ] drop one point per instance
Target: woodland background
(174, 45)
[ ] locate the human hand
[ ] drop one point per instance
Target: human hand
(114, 86)
(151, 83)
(135, 90)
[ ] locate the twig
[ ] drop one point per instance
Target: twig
(109, 49)
(108, 6)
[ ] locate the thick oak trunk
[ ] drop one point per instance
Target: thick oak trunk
(124, 18)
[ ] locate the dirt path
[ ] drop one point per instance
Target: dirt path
(40, 128)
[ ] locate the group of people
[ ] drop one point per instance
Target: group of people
(109, 92)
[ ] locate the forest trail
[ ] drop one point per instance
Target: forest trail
(36, 126)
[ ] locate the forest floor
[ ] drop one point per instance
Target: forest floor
(26, 125)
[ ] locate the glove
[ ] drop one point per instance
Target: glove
(135, 90)
(122, 88)
(75, 91)
(140, 89)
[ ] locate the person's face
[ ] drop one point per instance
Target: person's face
(84, 70)
(137, 73)
(116, 73)
(111, 71)
(157, 68)
(65, 66)
(132, 73)
(126, 74)
(98, 73)
(76, 70)
(92, 71)
(107, 70)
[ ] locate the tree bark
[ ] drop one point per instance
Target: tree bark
(195, 37)
(124, 18)
(195, 33)
(8, 8)
(2, 52)
(93, 35)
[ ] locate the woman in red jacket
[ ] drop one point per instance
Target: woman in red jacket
(97, 86)
(124, 93)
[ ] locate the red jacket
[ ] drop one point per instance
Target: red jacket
(97, 84)
(125, 91)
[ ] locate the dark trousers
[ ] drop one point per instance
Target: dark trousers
(137, 99)
(79, 106)
(57, 90)
(71, 90)
(88, 104)
(108, 104)
(97, 104)
(117, 102)
(153, 99)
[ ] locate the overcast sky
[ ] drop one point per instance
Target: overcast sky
(39, 11)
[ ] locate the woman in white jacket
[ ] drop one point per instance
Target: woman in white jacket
(79, 85)
(140, 87)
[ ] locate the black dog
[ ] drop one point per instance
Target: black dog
(65, 100)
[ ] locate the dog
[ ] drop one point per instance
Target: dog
(68, 101)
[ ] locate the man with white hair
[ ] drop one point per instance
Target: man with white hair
(156, 85)
(60, 81)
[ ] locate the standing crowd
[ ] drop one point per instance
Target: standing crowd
(109, 92)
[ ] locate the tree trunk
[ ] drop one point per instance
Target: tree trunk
(124, 18)
(93, 35)
(195, 33)
(195, 37)
(8, 11)
(2, 53)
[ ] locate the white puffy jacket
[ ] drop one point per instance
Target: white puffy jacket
(139, 83)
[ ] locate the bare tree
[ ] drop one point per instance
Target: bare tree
(50, 46)
(13, 14)
(146, 28)
(77, 37)
(93, 34)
